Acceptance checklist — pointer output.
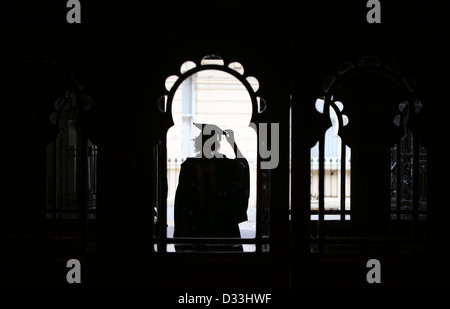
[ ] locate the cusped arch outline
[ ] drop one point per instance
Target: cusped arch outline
(166, 100)
(371, 64)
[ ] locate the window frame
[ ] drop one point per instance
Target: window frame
(330, 85)
(159, 239)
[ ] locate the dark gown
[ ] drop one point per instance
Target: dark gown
(211, 200)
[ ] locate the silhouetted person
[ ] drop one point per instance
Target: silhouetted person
(212, 193)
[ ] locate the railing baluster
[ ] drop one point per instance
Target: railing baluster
(343, 176)
(321, 193)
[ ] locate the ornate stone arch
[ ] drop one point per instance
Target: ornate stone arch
(373, 129)
(209, 62)
(50, 98)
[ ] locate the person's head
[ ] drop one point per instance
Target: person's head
(207, 143)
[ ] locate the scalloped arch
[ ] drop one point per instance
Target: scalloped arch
(214, 62)
(348, 69)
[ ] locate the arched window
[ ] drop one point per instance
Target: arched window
(336, 167)
(52, 167)
(211, 91)
(71, 178)
(330, 172)
(409, 174)
(367, 108)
